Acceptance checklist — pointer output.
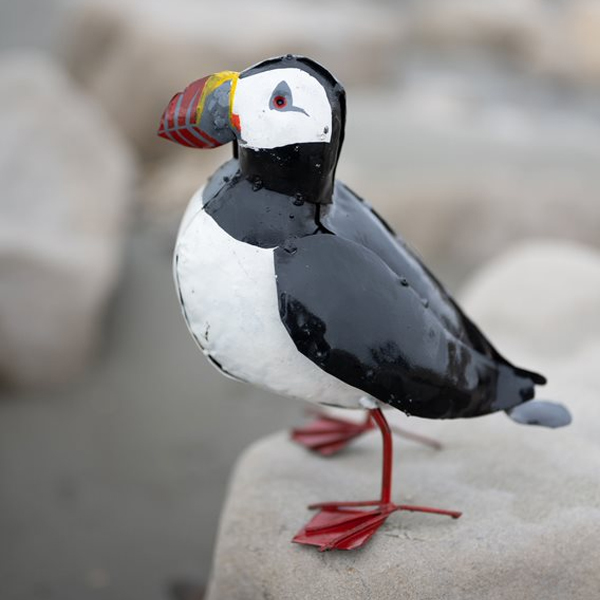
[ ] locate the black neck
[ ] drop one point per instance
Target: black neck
(303, 170)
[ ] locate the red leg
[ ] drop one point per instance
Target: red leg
(328, 435)
(342, 526)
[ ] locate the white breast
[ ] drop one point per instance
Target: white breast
(229, 298)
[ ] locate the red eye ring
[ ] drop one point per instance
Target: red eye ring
(280, 102)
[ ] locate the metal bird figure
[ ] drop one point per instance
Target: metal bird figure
(290, 281)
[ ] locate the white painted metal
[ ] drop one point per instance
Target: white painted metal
(229, 298)
(265, 127)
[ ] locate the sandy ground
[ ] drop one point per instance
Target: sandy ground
(112, 488)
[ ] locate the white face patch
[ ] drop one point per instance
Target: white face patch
(281, 107)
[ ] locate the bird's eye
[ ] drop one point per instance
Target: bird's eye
(279, 101)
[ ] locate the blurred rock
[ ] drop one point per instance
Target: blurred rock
(529, 495)
(550, 295)
(135, 55)
(67, 178)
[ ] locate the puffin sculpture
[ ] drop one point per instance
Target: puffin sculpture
(290, 281)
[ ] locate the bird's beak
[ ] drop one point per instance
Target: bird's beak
(201, 116)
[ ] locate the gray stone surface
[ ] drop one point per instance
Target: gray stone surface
(531, 497)
(67, 181)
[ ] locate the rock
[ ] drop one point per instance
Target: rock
(67, 177)
(135, 55)
(530, 496)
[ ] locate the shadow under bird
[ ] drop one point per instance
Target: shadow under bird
(290, 281)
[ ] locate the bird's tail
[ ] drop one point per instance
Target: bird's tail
(540, 412)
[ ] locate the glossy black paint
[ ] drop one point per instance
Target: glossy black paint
(253, 214)
(352, 218)
(283, 170)
(307, 170)
(358, 320)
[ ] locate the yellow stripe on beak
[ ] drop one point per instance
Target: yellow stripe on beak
(215, 81)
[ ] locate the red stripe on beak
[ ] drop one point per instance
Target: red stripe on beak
(179, 120)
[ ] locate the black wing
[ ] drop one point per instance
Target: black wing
(361, 322)
(354, 219)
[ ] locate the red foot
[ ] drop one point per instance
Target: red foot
(328, 435)
(338, 526)
(343, 525)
